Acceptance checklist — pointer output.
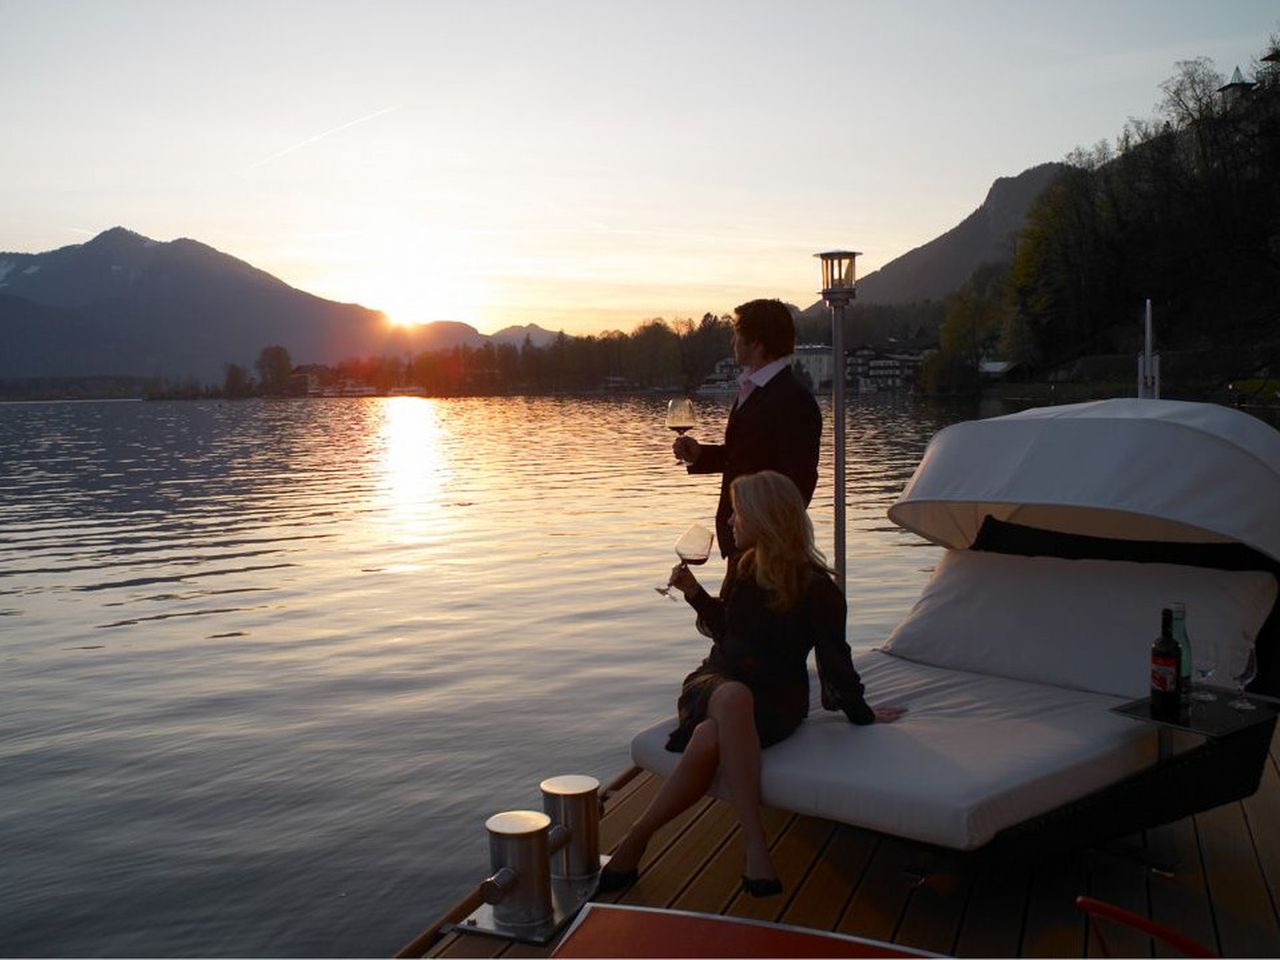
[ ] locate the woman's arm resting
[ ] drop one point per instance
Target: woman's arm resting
(842, 688)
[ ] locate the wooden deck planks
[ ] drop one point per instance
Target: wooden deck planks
(880, 898)
(1224, 893)
(1123, 883)
(992, 924)
(825, 891)
(470, 945)
(793, 856)
(530, 950)
(625, 810)
(936, 909)
(1246, 921)
(672, 872)
(661, 842)
(1054, 926)
(1180, 900)
(714, 886)
(1262, 812)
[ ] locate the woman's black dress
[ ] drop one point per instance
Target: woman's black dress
(767, 651)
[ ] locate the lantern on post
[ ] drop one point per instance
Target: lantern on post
(838, 280)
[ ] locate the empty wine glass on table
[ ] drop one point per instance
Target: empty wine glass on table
(681, 416)
(1206, 663)
(693, 548)
(1244, 667)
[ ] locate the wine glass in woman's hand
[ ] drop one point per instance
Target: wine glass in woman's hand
(693, 548)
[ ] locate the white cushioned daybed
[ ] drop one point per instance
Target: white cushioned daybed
(1008, 665)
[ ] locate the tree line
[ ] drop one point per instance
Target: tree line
(1183, 209)
(660, 354)
(675, 355)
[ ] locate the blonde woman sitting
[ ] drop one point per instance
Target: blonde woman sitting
(752, 690)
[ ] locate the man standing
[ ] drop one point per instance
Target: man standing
(775, 423)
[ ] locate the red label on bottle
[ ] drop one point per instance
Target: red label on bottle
(1164, 674)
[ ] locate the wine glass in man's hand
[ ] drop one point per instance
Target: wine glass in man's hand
(693, 548)
(681, 417)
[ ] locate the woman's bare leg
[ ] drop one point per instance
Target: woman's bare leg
(732, 706)
(686, 785)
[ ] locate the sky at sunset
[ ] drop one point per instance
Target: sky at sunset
(579, 165)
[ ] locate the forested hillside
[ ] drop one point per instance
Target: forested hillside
(1183, 209)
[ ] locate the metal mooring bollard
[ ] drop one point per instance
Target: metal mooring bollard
(573, 802)
(520, 845)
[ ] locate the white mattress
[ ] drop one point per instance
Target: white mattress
(975, 754)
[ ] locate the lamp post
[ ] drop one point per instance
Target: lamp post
(838, 277)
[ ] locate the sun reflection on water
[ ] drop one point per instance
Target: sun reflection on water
(414, 467)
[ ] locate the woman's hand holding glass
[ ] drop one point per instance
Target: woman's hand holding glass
(682, 579)
(694, 546)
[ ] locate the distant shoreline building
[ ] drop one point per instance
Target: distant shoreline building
(723, 381)
(814, 361)
(867, 368)
(308, 380)
(873, 370)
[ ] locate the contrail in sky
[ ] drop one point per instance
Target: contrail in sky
(320, 136)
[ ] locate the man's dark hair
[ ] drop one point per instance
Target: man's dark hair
(768, 323)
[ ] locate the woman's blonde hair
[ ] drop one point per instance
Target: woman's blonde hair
(783, 553)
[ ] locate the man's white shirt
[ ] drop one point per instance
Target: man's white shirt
(748, 381)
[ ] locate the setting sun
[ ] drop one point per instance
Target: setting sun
(419, 275)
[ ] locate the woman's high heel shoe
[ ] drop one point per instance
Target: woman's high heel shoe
(761, 886)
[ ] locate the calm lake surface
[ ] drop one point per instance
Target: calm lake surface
(266, 667)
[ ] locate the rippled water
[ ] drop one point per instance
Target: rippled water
(266, 666)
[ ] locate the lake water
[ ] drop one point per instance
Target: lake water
(265, 667)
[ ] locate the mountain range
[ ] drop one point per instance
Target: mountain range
(123, 304)
(127, 305)
(941, 266)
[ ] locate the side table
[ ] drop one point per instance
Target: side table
(1213, 718)
(1233, 735)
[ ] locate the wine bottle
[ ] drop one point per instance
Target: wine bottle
(1165, 671)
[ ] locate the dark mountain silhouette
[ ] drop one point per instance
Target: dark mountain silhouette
(128, 305)
(37, 340)
(123, 304)
(121, 264)
(538, 336)
(438, 335)
(941, 266)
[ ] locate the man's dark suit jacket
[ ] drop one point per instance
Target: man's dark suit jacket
(777, 428)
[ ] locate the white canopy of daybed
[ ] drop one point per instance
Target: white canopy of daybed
(1125, 469)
